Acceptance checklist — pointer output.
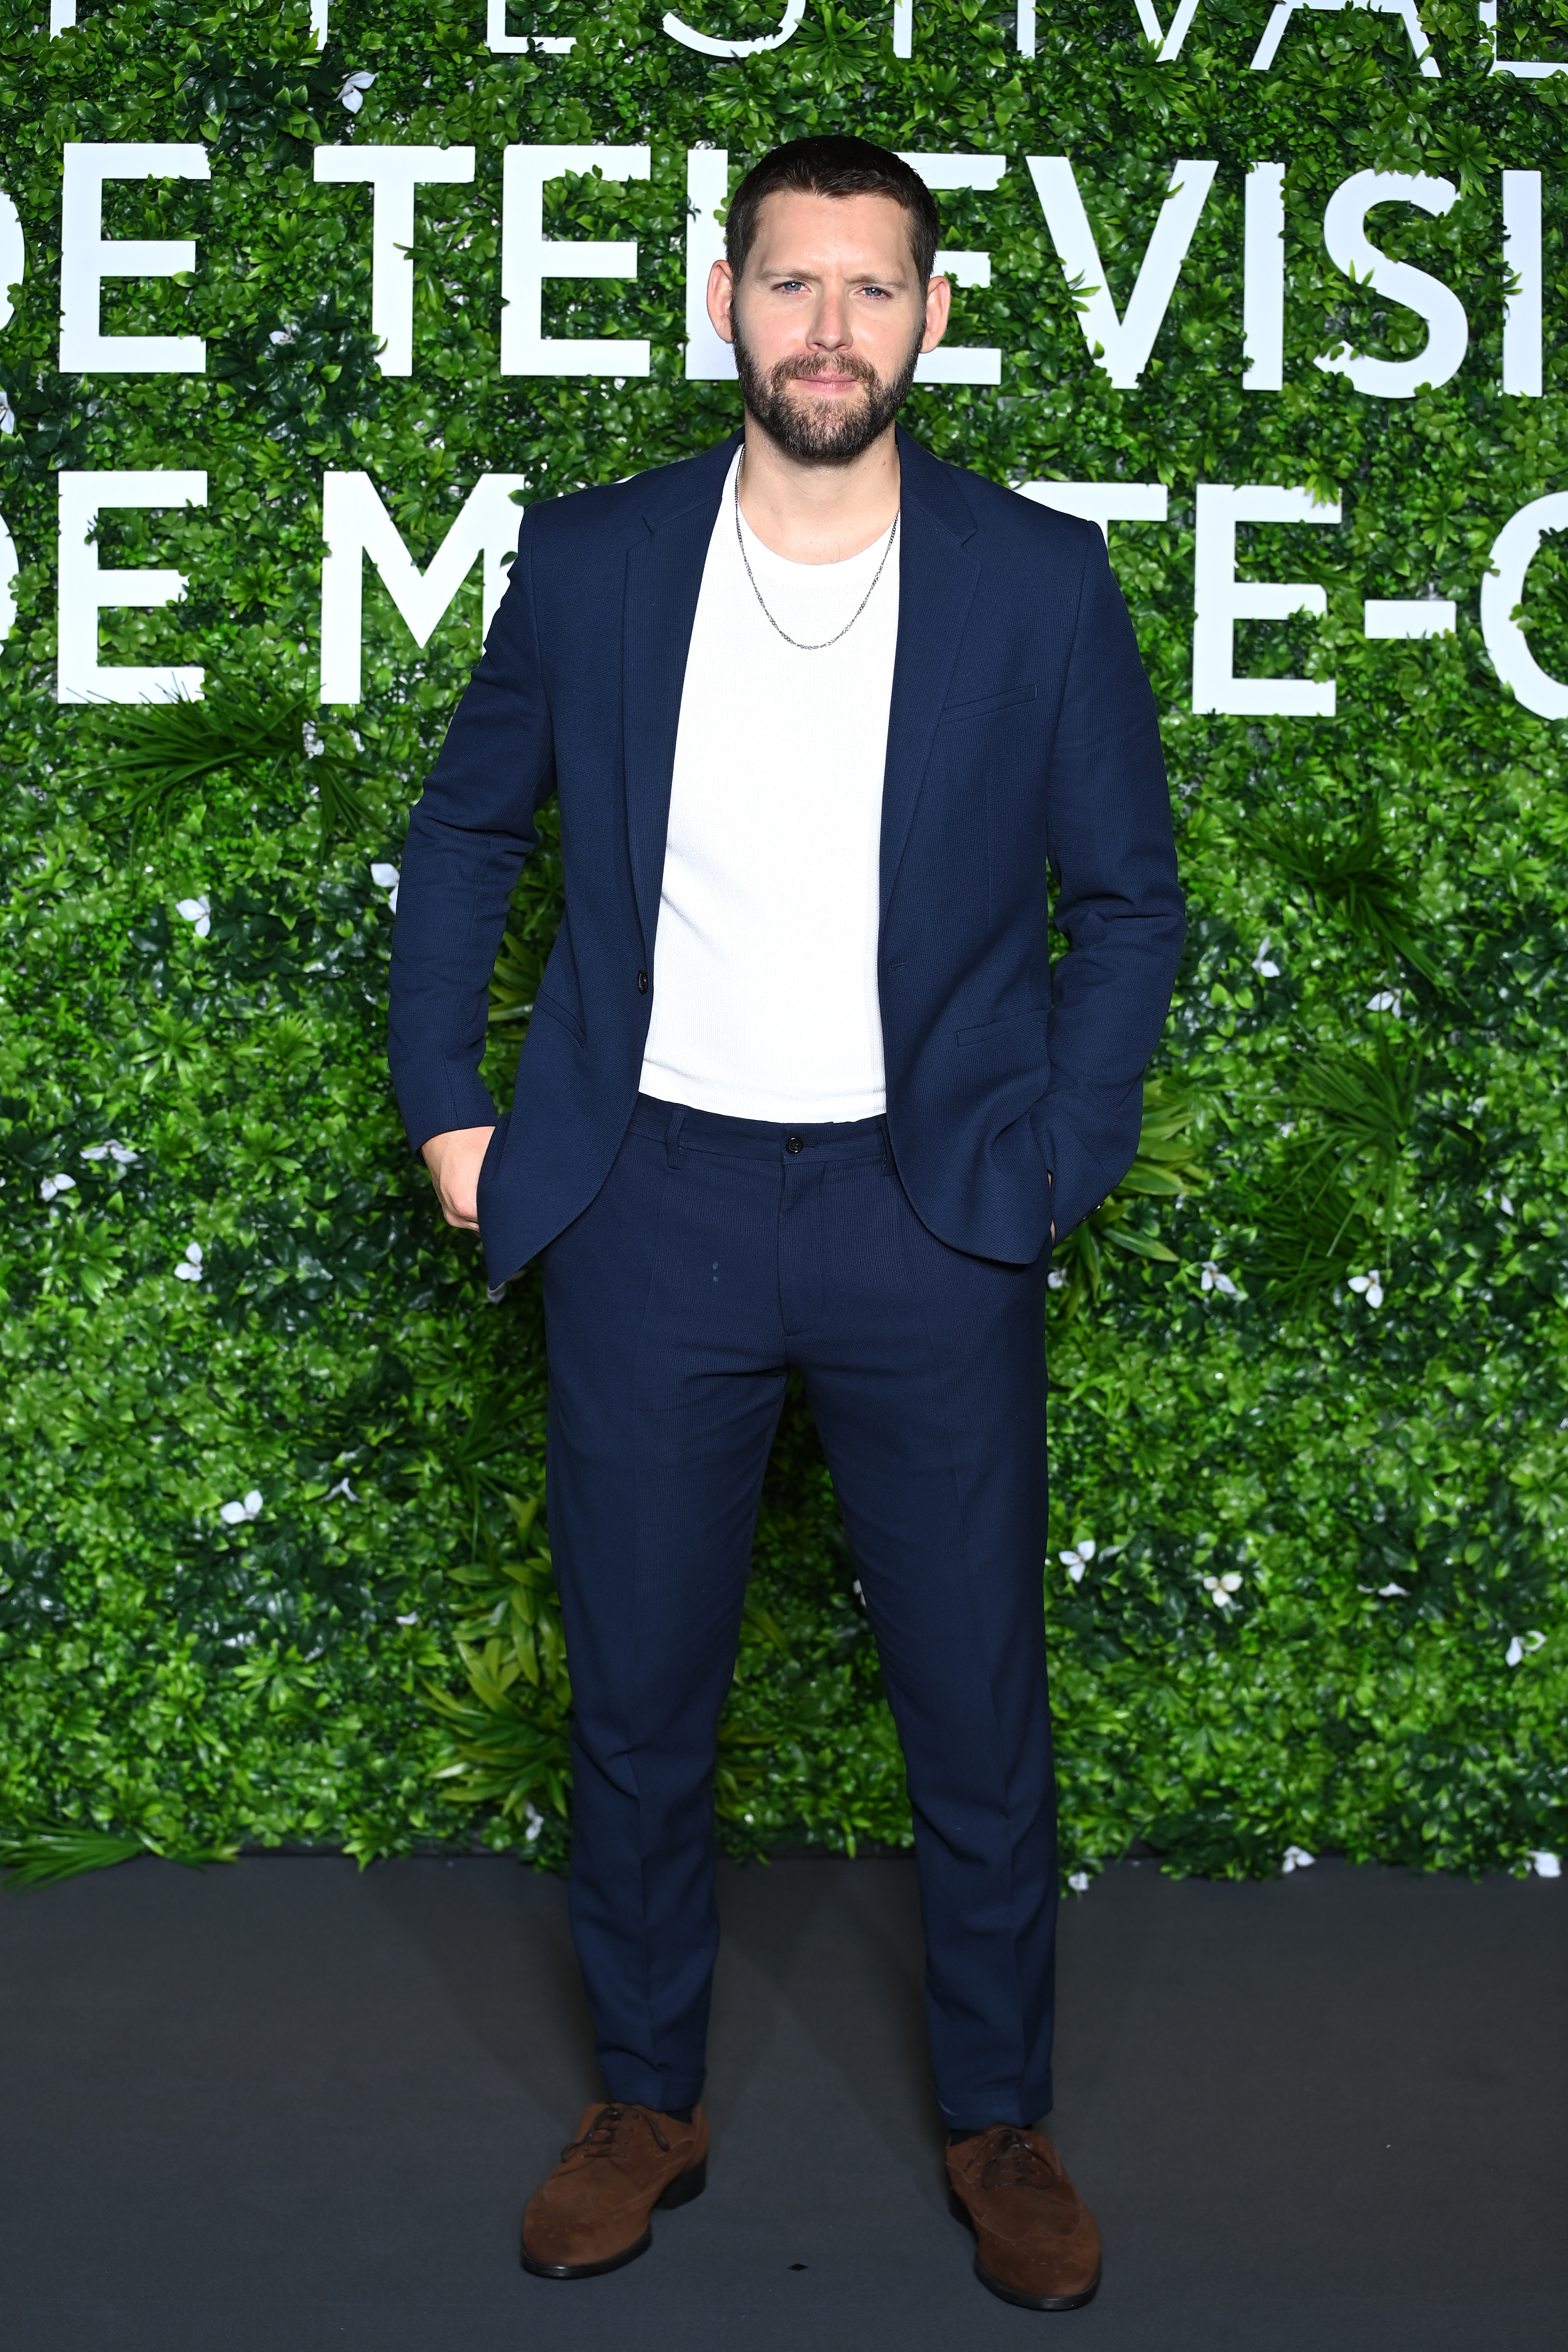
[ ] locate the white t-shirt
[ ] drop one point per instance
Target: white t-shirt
(765, 979)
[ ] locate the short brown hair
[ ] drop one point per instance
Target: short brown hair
(832, 166)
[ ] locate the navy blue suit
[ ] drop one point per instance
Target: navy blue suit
(898, 1263)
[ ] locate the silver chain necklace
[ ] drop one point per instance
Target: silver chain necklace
(854, 615)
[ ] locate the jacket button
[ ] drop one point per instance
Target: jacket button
(642, 983)
(795, 1143)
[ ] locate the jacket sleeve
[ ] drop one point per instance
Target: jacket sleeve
(470, 830)
(1113, 857)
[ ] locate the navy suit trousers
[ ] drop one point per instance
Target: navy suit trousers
(720, 1254)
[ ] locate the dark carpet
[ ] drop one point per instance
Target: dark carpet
(285, 2106)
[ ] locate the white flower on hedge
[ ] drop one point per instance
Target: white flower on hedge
(234, 1515)
(1296, 1858)
(1262, 966)
(1075, 1560)
(1079, 1881)
(190, 1266)
(351, 94)
(1387, 1000)
(1223, 1590)
(342, 1487)
(385, 878)
(1520, 1648)
(197, 911)
(1057, 1279)
(1213, 1279)
(60, 1183)
(412, 1619)
(1368, 1287)
(1505, 1204)
(120, 1153)
(1389, 1592)
(1546, 1865)
(536, 1820)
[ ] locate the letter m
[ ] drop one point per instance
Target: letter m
(356, 524)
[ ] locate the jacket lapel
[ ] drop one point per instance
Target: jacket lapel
(937, 579)
(664, 579)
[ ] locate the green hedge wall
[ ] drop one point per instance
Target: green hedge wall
(370, 1658)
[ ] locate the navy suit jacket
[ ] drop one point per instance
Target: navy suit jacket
(1022, 736)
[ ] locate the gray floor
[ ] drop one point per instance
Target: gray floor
(285, 2106)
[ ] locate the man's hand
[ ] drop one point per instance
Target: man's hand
(454, 1161)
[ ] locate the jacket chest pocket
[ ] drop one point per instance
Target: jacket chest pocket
(1009, 698)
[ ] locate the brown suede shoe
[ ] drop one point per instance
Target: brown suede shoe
(591, 2214)
(1036, 2240)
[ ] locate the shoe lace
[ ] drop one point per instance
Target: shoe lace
(609, 2126)
(1013, 2161)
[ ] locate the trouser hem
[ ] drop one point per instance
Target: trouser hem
(978, 2110)
(640, 2089)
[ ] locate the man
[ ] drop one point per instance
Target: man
(801, 1089)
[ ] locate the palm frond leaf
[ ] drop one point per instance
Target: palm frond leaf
(47, 1856)
(1165, 1167)
(1359, 880)
(514, 982)
(506, 1742)
(1338, 1189)
(166, 748)
(43, 1857)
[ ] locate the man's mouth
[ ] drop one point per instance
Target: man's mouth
(832, 380)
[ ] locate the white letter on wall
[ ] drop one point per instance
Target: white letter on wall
(1220, 600)
(1521, 311)
(393, 173)
(509, 45)
(1344, 234)
(1101, 502)
(1168, 45)
(356, 524)
(528, 257)
(13, 261)
(86, 260)
(688, 39)
(85, 591)
(12, 255)
(1263, 279)
(708, 359)
(960, 362)
(7, 581)
(1531, 69)
(1513, 552)
(1125, 343)
(1274, 31)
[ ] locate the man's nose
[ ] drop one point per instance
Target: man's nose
(830, 329)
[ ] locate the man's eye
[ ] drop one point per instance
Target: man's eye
(790, 285)
(879, 292)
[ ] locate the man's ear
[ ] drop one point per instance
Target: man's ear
(721, 300)
(939, 303)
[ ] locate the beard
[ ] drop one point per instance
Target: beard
(821, 433)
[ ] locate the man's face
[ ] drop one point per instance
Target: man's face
(828, 320)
